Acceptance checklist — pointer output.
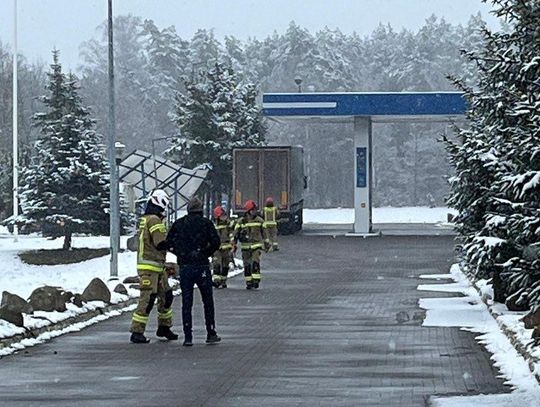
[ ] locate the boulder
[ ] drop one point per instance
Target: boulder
(11, 316)
(97, 290)
(532, 319)
(120, 289)
(517, 302)
(67, 296)
(15, 303)
(536, 333)
(47, 299)
(131, 280)
(78, 300)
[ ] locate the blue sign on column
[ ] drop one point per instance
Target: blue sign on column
(361, 167)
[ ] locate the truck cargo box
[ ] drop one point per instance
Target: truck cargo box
(277, 172)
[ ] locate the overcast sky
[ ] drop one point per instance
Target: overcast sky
(64, 24)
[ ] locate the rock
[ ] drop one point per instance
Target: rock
(120, 289)
(15, 303)
(517, 302)
(11, 316)
(532, 319)
(67, 296)
(47, 299)
(402, 317)
(536, 333)
(131, 280)
(96, 291)
(77, 300)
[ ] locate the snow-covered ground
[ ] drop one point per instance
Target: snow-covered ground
(380, 215)
(19, 278)
(470, 313)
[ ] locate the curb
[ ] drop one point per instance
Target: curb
(521, 348)
(35, 332)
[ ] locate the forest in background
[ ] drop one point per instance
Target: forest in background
(151, 64)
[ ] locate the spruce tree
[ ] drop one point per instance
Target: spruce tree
(66, 188)
(497, 185)
(216, 115)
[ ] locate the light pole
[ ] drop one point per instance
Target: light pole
(15, 128)
(114, 219)
(298, 81)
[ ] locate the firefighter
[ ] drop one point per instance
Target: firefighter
(249, 231)
(223, 256)
(153, 279)
(271, 215)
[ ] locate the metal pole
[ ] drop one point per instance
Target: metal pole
(114, 201)
(15, 128)
(154, 160)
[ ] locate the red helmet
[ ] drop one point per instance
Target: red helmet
(250, 205)
(218, 212)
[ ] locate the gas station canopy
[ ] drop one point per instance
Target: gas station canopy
(379, 106)
(362, 109)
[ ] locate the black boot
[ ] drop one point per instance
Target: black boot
(212, 338)
(138, 338)
(165, 332)
(188, 341)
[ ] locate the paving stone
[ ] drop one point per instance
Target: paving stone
(322, 330)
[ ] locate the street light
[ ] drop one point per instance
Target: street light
(298, 81)
(15, 128)
(114, 202)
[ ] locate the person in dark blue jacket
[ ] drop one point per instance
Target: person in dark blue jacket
(193, 239)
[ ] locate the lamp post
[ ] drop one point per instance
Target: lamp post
(15, 128)
(298, 81)
(114, 199)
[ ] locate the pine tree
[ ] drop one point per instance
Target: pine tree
(66, 188)
(216, 115)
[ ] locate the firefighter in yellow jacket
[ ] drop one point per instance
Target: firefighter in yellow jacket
(153, 277)
(223, 256)
(250, 232)
(271, 215)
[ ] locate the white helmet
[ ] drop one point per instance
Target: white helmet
(159, 198)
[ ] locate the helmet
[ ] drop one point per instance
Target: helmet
(159, 198)
(218, 212)
(269, 201)
(250, 205)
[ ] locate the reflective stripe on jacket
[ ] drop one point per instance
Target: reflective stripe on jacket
(152, 231)
(250, 233)
(225, 232)
(270, 216)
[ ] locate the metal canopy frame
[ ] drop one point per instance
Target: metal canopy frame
(144, 172)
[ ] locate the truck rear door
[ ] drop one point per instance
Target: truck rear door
(246, 177)
(275, 177)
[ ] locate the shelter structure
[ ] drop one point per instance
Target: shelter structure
(362, 109)
(141, 172)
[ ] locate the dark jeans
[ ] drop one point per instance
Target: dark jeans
(200, 275)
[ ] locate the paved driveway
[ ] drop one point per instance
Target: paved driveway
(336, 323)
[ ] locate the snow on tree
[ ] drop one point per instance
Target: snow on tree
(66, 188)
(216, 115)
(497, 185)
